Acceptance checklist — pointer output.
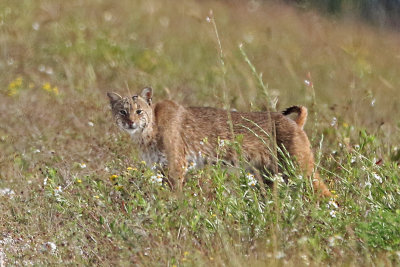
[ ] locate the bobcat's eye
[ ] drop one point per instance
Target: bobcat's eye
(139, 111)
(123, 112)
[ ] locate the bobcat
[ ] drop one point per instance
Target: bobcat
(173, 136)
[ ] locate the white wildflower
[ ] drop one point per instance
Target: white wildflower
(373, 102)
(307, 82)
(305, 259)
(91, 124)
(35, 26)
(333, 122)
(278, 178)
(353, 159)
(7, 192)
(367, 184)
(49, 247)
(251, 179)
(332, 213)
(157, 179)
(221, 143)
(192, 165)
(57, 190)
(42, 68)
(36, 151)
(333, 204)
(82, 165)
(377, 177)
(49, 71)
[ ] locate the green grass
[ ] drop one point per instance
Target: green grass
(77, 182)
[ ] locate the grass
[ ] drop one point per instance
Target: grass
(73, 191)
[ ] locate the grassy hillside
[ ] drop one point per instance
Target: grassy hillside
(72, 189)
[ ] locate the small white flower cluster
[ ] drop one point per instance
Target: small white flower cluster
(332, 205)
(221, 143)
(192, 165)
(49, 247)
(7, 192)
(251, 179)
(377, 177)
(82, 165)
(157, 179)
(57, 193)
(278, 178)
(334, 121)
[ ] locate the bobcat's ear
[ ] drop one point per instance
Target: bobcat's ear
(113, 97)
(147, 94)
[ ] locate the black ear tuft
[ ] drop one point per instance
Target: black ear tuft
(147, 94)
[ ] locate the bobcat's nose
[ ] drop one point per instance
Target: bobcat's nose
(131, 124)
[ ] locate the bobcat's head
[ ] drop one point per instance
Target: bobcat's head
(132, 114)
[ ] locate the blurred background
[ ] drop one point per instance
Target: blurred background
(380, 13)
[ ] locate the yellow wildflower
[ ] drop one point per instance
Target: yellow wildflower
(46, 87)
(96, 197)
(18, 82)
(113, 177)
(12, 92)
(79, 181)
(12, 85)
(143, 162)
(55, 90)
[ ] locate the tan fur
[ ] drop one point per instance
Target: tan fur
(301, 114)
(171, 136)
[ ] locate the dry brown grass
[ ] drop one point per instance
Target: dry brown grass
(85, 48)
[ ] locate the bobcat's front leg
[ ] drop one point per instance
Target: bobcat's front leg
(176, 163)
